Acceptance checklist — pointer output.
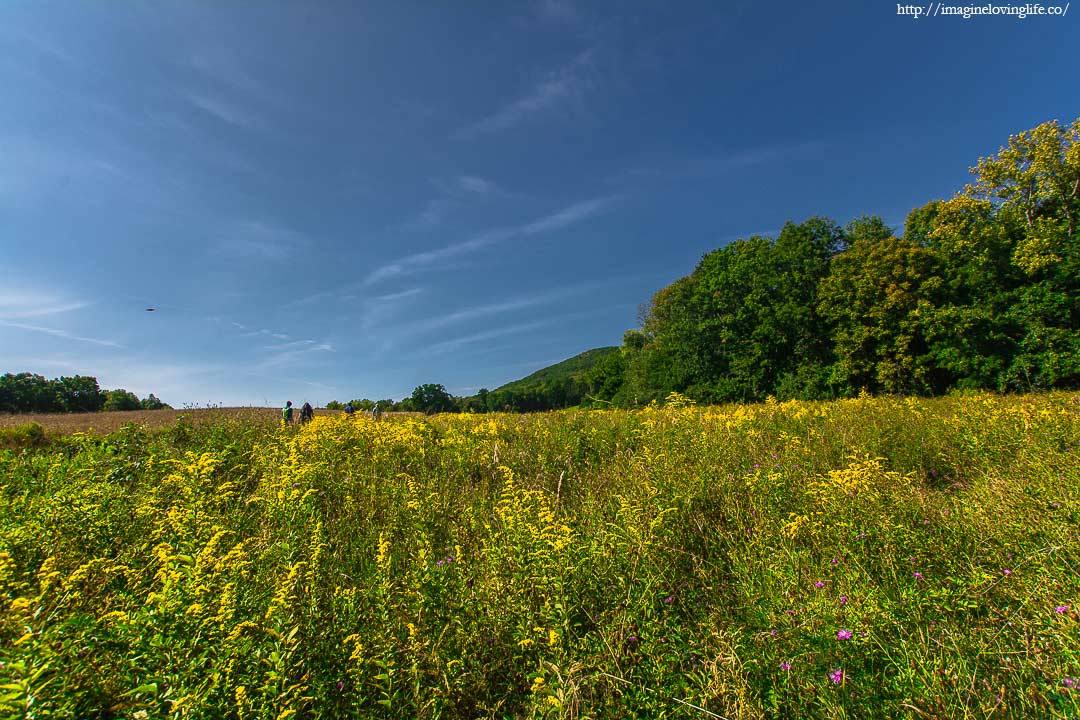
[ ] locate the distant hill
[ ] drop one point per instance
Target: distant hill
(573, 368)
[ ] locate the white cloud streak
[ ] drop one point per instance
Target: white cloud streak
(260, 240)
(419, 262)
(55, 332)
(556, 88)
(21, 305)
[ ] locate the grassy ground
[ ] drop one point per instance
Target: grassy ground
(102, 423)
(866, 558)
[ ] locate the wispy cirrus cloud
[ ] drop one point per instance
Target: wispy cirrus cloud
(224, 109)
(261, 240)
(450, 194)
(297, 355)
(476, 312)
(710, 165)
(555, 89)
(64, 334)
(460, 341)
(463, 340)
(18, 304)
(419, 262)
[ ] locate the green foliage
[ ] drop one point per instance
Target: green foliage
(744, 322)
(27, 392)
(557, 386)
(431, 398)
(605, 377)
(151, 402)
(121, 400)
(602, 564)
(873, 298)
(981, 291)
(30, 435)
(79, 394)
(30, 393)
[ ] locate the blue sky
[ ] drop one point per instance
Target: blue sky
(341, 199)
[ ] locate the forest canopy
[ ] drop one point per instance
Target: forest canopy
(979, 291)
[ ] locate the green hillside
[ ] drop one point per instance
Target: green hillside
(572, 369)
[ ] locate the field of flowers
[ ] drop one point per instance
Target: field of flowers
(857, 559)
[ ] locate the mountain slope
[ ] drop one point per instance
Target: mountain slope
(572, 368)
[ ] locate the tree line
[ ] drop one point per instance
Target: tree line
(434, 398)
(980, 291)
(27, 392)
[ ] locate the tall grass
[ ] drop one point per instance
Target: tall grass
(864, 558)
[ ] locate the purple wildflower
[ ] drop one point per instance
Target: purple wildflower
(835, 561)
(917, 575)
(1069, 682)
(669, 599)
(843, 599)
(785, 666)
(819, 584)
(1061, 609)
(632, 639)
(837, 676)
(843, 634)
(1006, 572)
(773, 632)
(340, 684)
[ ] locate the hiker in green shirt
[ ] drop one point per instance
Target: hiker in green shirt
(286, 413)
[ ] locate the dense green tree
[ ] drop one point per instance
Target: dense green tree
(606, 377)
(872, 298)
(432, 398)
(745, 322)
(121, 400)
(151, 402)
(80, 394)
(27, 392)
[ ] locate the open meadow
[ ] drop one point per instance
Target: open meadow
(106, 422)
(867, 558)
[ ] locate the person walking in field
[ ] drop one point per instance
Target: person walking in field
(286, 413)
(307, 413)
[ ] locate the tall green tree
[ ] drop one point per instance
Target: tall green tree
(873, 298)
(121, 400)
(432, 398)
(79, 393)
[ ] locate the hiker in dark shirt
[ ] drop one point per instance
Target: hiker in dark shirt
(306, 413)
